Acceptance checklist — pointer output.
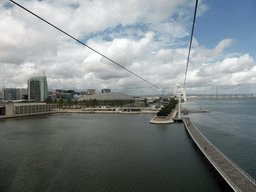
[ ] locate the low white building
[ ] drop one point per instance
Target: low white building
(17, 109)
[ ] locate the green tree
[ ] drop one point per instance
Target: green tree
(145, 102)
(75, 103)
(60, 103)
(87, 103)
(165, 111)
(94, 102)
(121, 103)
(69, 102)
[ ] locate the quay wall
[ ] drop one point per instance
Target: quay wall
(24, 115)
(102, 112)
(72, 111)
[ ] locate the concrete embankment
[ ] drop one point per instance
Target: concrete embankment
(25, 115)
(75, 111)
(101, 112)
(164, 120)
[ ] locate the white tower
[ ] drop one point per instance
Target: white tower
(181, 95)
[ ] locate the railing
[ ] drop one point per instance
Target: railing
(216, 166)
(229, 160)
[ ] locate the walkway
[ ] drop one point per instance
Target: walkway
(237, 178)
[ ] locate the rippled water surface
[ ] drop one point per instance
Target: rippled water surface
(115, 152)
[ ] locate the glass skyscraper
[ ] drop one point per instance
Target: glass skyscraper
(37, 88)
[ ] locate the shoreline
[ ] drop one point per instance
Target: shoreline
(77, 111)
(103, 112)
(24, 115)
(156, 120)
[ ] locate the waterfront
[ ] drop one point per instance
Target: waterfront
(117, 152)
(231, 127)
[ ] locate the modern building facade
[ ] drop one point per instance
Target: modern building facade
(62, 94)
(105, 90)
(21, 109)
(37, 88)
(10, 94)
(91, 91)
(14, 93)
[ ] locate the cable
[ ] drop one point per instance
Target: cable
(83, 44)
(190, 43)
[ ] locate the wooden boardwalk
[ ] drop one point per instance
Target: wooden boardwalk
(237, 178)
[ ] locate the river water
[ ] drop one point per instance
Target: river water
(123, 152)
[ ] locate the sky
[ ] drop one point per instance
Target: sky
(148, 37)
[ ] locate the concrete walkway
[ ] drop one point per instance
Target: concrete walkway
(237, 178)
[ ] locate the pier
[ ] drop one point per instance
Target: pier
(236, 177)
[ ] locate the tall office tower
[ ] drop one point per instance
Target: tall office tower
(37, 88)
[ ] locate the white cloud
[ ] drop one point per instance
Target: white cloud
(148, 37)
(228, 66)
(230, 71)
(233, 65)
(125, 51)
(201, 54)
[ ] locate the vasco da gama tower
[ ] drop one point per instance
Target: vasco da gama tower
(37, 88)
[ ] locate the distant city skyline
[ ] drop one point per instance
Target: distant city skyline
(149, 38)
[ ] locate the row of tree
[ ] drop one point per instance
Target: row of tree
(89, 103)
(165, 111)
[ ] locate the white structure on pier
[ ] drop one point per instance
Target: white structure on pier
(180, 93)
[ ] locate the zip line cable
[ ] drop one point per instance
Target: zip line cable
(84, 44)
(190, 43)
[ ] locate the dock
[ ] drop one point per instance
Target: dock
(235, 176)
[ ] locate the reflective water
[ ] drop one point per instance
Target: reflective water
(108, 152)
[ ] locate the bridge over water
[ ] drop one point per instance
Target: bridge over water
(224, 96)
(236, 177)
